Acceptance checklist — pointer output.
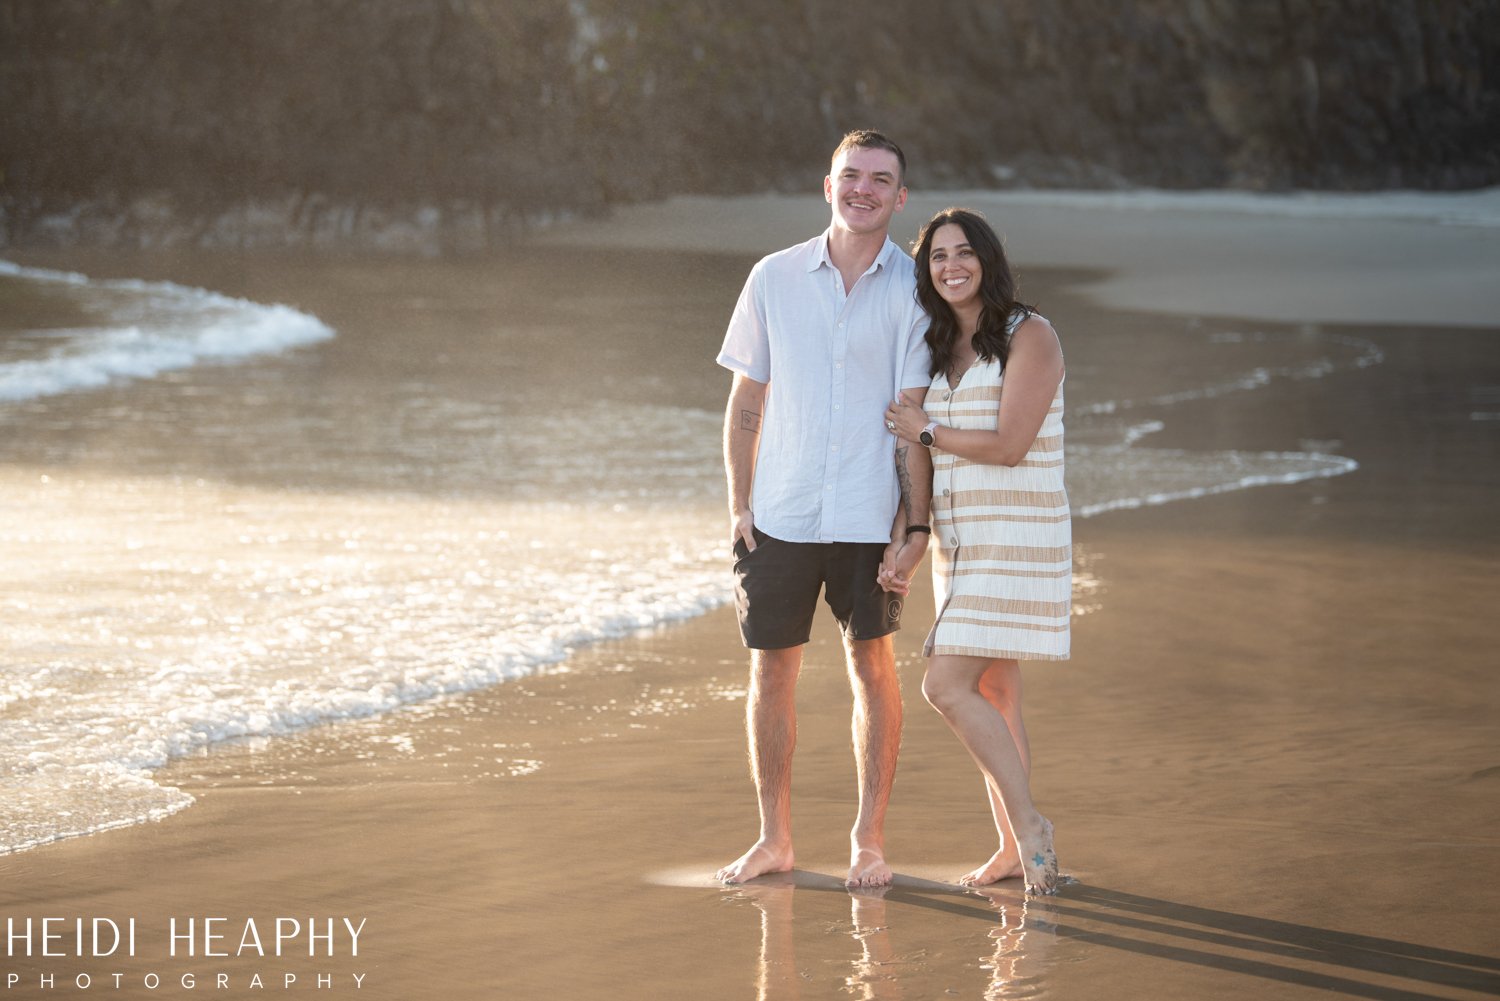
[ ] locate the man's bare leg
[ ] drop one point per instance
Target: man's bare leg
(771, 727)
(877, 744)
(1001, 687)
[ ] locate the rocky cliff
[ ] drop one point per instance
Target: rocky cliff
(435, 124)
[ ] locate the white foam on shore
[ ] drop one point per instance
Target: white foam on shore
(233, 613)
(145, 329)
(1178, 475)
(1362, 354)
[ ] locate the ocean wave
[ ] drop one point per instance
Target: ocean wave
(1114, 480)
(145, 329)
(316, 609)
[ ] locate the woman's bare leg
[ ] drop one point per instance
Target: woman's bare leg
(1000, 685)
(953, 687)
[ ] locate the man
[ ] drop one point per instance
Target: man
(820, 495)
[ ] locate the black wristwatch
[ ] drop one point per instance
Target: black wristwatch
(926, 437)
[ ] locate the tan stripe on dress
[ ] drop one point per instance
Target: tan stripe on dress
(1018, 554)
(1002, 625)
(1009, 606)
(1008, 498)
(993, 571)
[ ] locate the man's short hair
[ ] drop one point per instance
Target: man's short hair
(870, 139)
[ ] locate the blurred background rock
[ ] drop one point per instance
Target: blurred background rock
(450, 125)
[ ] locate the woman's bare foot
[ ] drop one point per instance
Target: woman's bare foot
(1039, 862)
(1004, 864)
(758, 861)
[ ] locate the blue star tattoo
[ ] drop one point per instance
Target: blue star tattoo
(1038, 859)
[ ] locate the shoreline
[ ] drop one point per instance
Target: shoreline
(1388, 259)
(1275, 732)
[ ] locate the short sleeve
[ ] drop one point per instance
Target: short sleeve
(916, 370)
(747, 342)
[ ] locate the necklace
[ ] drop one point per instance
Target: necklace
(958, 368)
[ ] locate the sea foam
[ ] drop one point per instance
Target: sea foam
(145, 329)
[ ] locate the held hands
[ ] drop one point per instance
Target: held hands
(900, 562)
(908, 418)
(904, 419)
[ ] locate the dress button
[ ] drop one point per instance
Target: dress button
(946, 394)
(952, 540)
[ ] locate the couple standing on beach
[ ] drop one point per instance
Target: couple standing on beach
(867, 403)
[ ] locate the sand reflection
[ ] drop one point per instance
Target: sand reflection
(777, 976)
(1022, 936)
(873, 976)
(903, 942)
(879, 962)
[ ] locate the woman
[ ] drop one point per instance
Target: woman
(1002, 569)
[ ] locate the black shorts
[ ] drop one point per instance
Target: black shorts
(776, 590)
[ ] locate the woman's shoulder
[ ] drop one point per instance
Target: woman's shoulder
(1033, 338)
(1025, 321)
(1022, 315)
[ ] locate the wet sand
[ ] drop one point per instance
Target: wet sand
(1273, 763)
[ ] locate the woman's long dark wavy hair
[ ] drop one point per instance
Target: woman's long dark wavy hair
(997, 291)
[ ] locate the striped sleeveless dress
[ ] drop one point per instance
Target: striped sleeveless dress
(1003, 568)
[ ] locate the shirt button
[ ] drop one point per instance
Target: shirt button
(835, 448)
(835, 406)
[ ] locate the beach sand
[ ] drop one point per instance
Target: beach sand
(1273, 761)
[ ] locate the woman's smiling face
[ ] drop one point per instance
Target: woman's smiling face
(953, 265)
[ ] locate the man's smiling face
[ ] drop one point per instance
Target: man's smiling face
(865, 189)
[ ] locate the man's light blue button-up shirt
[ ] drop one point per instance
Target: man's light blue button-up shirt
(825, 469)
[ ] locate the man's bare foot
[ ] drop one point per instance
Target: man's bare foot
(758, 861)
(867, 868)
(1004, 864)
(1040, 864)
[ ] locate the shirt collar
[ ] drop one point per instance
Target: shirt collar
(820, 254)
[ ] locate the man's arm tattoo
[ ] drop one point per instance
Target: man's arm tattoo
(750, 421)
(904, 478)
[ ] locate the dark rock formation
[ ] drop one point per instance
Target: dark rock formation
(434, 124)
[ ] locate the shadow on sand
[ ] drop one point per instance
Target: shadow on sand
(1354, 965)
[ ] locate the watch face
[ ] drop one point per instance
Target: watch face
(925, 437)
